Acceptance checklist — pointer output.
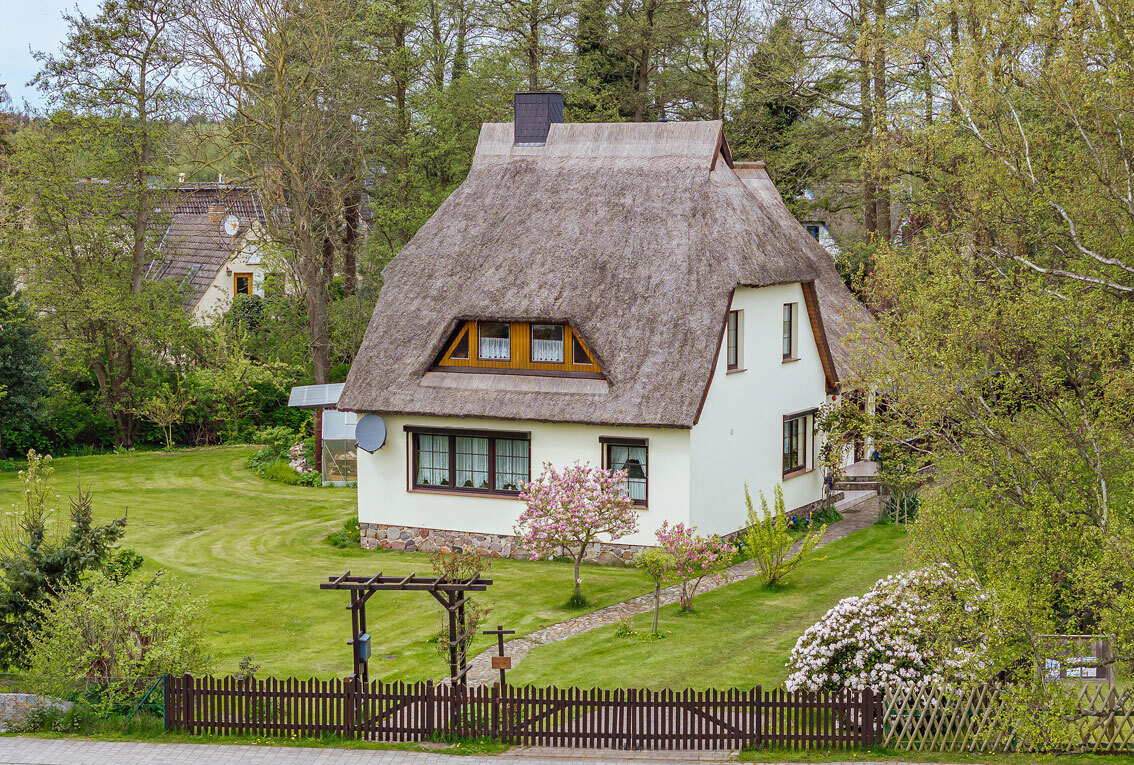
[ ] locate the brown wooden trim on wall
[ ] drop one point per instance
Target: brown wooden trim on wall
(815, 316)
(716, 358)
(443, 431)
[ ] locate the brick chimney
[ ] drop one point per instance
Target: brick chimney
(216, 212)
(534, 114)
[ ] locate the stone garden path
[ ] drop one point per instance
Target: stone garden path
(860, 509)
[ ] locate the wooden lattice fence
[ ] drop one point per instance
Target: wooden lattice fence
(944, 721)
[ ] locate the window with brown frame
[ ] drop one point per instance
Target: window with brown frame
(495, 341)
(242, 284)
(789, 331)
(732, 351)
(796, 429)
(631, 455)
(547, 344)
(468, 461)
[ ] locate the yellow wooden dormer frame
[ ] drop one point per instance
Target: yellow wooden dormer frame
(461, 353)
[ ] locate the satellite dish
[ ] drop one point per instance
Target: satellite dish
(231, 225)
(370, 433)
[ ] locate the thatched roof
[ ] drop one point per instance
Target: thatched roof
(635, 233)
(195, 247)
(841, 309)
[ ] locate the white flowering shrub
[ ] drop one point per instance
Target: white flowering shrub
(891, 637)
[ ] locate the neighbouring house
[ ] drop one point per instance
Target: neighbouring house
(212, 244)
(626, 295)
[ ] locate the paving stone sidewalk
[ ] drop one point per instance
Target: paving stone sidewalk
(38, 751)
(855, 518)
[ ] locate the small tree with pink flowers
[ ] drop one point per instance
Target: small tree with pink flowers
(567, 511)
(695, 557)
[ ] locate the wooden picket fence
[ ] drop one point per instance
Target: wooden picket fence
(557, 717)
(943, 721)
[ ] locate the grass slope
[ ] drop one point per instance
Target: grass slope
(256, 550)
(741, 634)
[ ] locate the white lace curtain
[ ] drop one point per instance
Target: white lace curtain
(547, 350)
(494, 348)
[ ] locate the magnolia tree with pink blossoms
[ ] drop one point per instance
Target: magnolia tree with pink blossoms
(569, 509)
(695, 557)
(895, 637)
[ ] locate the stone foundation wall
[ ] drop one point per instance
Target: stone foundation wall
(15, 707)
(416, 539)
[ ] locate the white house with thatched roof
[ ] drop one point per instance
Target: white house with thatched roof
(619, 294)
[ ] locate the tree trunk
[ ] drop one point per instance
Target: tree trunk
(578, 579)
(643, 89)
(141, 188)
(460, 55)
(533, 45)
(657, 603)
(352, 213)
(328, 262)
(316, 300)
(881, 127)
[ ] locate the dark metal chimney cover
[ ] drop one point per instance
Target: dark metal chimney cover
(534, 114)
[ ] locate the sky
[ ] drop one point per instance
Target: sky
(31, 25)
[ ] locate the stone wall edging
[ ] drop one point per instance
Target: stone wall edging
(15, 707)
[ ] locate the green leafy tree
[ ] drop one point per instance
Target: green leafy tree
(117, 636)
(165, 409)
(768, 541)
(23, 367)
(229, 378)
(41, 558)
(661, 568)
(75, 257)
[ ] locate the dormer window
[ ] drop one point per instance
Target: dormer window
(547, 343)
(537, 348)
(495, 341)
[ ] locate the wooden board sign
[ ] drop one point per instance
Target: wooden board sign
(501, 662)
(1079, 658)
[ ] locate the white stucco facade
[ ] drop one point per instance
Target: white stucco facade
(696, 476)
(219, 295)
(384, 496)
(739, 436)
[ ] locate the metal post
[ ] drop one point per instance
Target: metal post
(451, 610)
(319, 440)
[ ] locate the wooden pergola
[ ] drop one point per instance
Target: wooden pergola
(451, 594)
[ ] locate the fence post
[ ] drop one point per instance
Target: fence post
(866, 712)
(348, 707)
(496, 710)
(631, 708)
(430, 720)
(165, 703)
(758, 715)
(186, 703)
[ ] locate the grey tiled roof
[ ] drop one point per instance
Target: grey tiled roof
(194, 248)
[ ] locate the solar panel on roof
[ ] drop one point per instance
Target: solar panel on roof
(315, 396)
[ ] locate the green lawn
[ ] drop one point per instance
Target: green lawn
(740, 636)
(256, 550)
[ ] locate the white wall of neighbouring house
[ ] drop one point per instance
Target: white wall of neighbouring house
(218, 297)
(738, 438)
(383, 476)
